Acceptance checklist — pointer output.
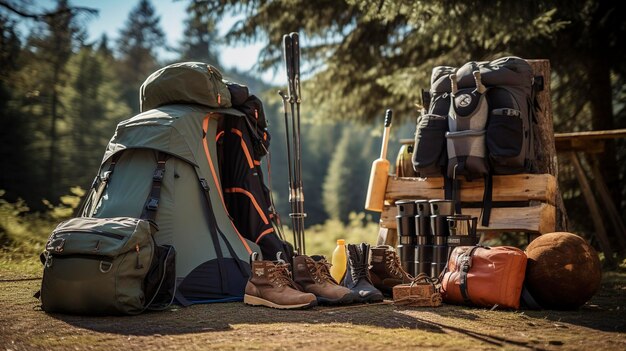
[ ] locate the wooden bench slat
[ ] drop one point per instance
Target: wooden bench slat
(518, 187)
(538, 219)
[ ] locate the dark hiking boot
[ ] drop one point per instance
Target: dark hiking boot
(357, 276)
(386, 270)
(270, 285)
(313, 275)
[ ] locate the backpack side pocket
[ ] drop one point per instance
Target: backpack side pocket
(505, 133)
(429, 152)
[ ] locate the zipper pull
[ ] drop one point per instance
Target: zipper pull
(256, 113)
(138, 265)
(219, 99)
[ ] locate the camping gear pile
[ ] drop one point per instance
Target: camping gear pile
(476, 122)
(185, 173)
(179, 211)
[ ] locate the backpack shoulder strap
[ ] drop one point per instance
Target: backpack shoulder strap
(152, 202)
(97, 188)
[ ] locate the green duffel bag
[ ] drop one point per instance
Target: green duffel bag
(98, 266)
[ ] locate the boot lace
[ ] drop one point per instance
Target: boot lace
(395, 267)
(280, 275)
(360, 270)
(321, 271)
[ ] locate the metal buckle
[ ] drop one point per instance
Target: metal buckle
(204, 184)
(48, 262)
(153, 204)
(105, 176)
(56, 245)
(105, 267)
(158, 174)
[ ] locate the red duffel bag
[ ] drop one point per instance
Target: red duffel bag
(484, 276)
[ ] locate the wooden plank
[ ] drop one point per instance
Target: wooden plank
(538, 219)
(592, 135)
(518, 187)
(580, 136)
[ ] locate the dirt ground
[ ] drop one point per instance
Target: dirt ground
(599, 325)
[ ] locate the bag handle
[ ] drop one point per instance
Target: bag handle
(465, 261)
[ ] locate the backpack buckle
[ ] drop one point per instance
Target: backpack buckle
(105, 266)
(153, 204)
(204, 184)
(105, 176)
(56, 245)
(158, 174)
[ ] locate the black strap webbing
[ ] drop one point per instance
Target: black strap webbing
(464, 268)
(152, 202)
(99, 185)
(487, 199)
(447, 187)
(213, 228)
(456, 195)
(527, 299)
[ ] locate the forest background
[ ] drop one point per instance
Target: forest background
(61, 94)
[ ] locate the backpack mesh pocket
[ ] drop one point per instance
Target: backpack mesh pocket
(466, 153)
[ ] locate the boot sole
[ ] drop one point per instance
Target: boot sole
(344, 300)
(257, 301)
(370, 299)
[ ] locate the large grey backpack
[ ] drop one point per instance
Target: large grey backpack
(490, 111)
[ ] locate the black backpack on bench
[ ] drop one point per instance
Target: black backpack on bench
(478, 123)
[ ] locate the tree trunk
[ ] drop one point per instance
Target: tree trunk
(545, 151)
(52, 149)
(601, 103)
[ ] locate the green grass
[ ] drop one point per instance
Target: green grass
(321, 239)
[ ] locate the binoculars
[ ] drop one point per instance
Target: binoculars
(428, 231)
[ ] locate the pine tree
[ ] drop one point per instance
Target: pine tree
(50, 46)
(93, 107)
(13, 131)
(368, 55)
(345, 183)
(200, 38)
(137, 45)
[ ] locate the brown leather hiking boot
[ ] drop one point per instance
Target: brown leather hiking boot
(313, 275)
(386, 270)
(270, 285)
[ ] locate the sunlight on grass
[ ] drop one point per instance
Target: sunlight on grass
(321, 239)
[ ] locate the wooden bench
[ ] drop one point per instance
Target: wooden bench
(522, 203)
(529, 203)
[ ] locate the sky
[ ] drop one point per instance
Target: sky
(113, 14)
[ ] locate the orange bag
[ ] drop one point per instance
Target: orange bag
(484, 276)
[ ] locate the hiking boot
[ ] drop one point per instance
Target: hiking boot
(313, 275)
(357, 276)
(386, 270)
(270, 285)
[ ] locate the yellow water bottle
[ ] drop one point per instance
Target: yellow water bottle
(339, 261)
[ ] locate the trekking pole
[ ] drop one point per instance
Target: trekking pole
(295, 45)
(289, 98)
(285, 98)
